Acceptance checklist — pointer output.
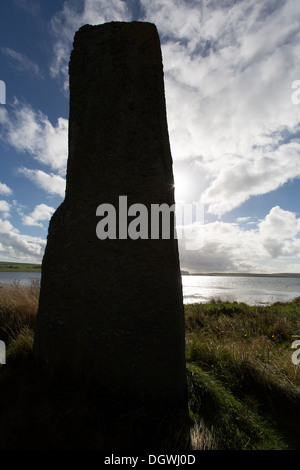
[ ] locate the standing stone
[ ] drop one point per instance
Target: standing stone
(112, 310)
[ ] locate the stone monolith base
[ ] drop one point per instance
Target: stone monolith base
(111, 311)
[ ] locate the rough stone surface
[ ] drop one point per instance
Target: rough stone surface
(112, 310)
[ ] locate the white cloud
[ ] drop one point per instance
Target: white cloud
(228, 92)
(40, 213)
(228, 69)
(21, 62)
(31, 131)
(5, 226)
(228, 84)
(262, 172)
(175, 19)
(4, 208)
(66, 22)
(280, 225)
(51, 183)
(273, 246)
(4, 189)
(14, 246)
(243, 219)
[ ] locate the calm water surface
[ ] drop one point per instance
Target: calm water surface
(251, 290)
(22, 278)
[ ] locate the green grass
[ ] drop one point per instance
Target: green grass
(19, 267)
(244, 390)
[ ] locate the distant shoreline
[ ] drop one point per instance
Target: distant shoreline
(10, 266)
(185, 273)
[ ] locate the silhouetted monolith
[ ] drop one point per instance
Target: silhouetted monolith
(111, 310)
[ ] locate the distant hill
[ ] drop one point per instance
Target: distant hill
(187, 273)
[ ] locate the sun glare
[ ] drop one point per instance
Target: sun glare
(181, 185)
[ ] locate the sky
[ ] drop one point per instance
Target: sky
(232, 87)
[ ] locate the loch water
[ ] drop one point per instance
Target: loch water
(251, 290)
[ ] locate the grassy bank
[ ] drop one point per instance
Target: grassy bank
(244, 390)
(244, 387)
(19, 267)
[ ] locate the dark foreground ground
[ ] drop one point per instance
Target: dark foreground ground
(244, 389)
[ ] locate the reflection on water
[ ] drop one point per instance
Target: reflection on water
(251, 290)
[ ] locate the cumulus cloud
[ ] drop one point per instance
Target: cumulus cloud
(280, 224)
(4, 208)
(40, 213)
(30, 131)
(15, 246)
(228, 81)
(279, 231)
(229, 104)
(228, 90)
(4, 189)
(264, 171)
(228, 70)
(273, 245)
(51, 183)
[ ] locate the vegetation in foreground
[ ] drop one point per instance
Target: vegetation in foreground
(244, 390)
